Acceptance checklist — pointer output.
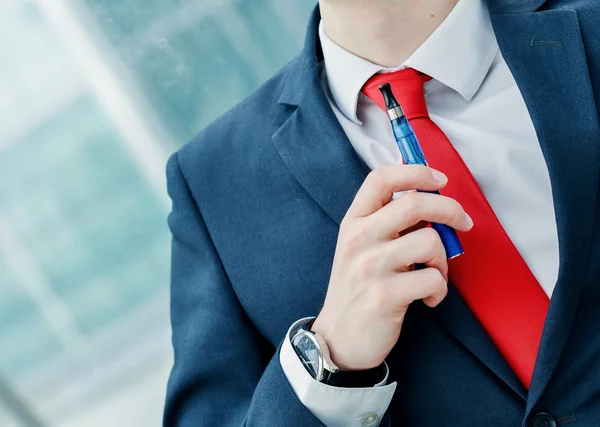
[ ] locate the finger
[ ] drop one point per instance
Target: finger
(423, 246)
(382, 183)
(435, 299)
(427, 285)
(412, 208)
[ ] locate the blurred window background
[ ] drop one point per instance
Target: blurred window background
(94, 96)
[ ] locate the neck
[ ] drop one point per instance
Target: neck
(385, 32)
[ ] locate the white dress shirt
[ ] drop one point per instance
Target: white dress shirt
(474, 99)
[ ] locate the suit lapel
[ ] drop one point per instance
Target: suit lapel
(545, 53)
(311, 141)
(454, 316)
(316, 150)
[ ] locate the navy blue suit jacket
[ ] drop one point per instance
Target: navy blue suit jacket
(257, 201)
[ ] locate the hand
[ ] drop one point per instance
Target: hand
(373, 280)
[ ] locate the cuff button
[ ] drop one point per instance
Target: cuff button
(370, 419)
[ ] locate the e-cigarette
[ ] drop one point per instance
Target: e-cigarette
(412, 154)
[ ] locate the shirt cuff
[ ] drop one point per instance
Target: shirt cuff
(335, 406)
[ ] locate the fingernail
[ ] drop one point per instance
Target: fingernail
(439, 177)
(468, 220)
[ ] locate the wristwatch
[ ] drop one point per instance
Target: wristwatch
(313, 352)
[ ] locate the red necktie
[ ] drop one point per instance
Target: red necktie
(491, 276)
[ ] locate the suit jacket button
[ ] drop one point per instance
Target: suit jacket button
(542, 419)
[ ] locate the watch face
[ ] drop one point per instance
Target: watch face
(308, 352)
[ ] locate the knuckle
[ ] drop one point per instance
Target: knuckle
(368, 266)
(424, 173)
(456, 207)
(443, 290)
(346, 226)
(353, 239)
(379, 297)
(345, 222)
(420, 173)
(376, 178)
(411, 206)
(435, 279)
(430, 240)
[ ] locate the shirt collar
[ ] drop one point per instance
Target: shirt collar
(458, 54)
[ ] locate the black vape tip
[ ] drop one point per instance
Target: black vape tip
(388, 96)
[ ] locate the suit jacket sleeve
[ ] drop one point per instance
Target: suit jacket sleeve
(224, 373)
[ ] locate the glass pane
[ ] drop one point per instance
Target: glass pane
(95, 95)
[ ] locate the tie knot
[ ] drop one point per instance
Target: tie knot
(407, 86)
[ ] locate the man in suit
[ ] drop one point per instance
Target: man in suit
(304, 294)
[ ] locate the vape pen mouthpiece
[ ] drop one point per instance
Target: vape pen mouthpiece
(388, 96)
(391, 103)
